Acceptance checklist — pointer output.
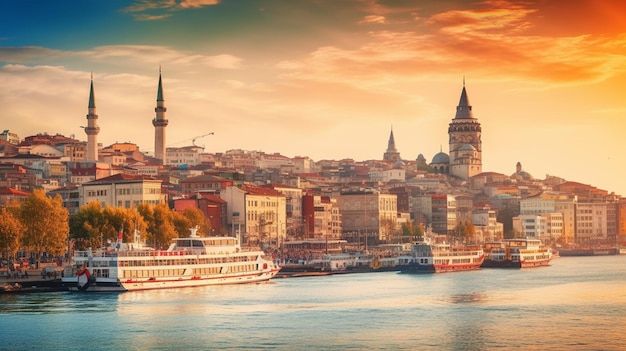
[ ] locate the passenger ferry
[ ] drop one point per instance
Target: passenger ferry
(517, 253)
(438, 258)
(188, 262)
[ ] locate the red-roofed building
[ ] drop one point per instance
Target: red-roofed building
(204, 183)
(8, 195)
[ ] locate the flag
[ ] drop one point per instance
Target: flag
(119, 238)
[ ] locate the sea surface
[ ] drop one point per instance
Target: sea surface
(577, 303)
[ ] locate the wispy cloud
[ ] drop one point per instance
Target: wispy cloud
(218, 61)
(26, 53)
(198, 3)
(139, 8)
(146, 17)
(373, 19)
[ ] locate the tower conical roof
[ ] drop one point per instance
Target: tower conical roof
(464, 109)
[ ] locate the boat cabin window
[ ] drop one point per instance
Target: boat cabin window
(189, 243)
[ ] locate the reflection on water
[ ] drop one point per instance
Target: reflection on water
(469, 298)
(572, 305)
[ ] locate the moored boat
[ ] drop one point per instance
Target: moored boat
(590, 251)
(188, 262)
(517, 253)
(438, 258)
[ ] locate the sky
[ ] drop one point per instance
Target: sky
(329, 79)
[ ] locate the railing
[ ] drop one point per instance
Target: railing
(155, 253)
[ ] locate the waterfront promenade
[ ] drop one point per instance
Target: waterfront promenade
(32, 280)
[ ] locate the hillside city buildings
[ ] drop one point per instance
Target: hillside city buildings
(272, 199)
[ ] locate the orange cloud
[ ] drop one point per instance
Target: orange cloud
(198, 3)
(372, 19)
(490, 41)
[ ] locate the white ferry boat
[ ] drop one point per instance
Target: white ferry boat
(517, 253)
(438, 258)
(188, 262)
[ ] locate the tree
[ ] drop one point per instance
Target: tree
(46, 224)
(11, 230)
(164, 230)
(182, 224)
(93, 226)
(125, 220)
(412, 232)
(196, 217)
(464, 231)
(388, 229)
(87, 224)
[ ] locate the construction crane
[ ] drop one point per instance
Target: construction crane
(193, 141)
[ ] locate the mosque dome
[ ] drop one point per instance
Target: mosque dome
(520, 174)
(441, 157)
(467, 147)
(399, 164)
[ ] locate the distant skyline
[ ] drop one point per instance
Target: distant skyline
(329, 79)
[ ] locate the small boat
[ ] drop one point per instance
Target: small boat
(517, 253)
(438, 258)
(188, 262)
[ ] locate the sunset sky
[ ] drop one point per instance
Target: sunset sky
(329, 79)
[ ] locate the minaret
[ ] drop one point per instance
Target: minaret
(392, 153)
(92, 128)
(159, 123)
(465, 140)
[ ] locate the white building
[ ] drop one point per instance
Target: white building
(259, 211)
(486, 225)
(122, 190)
(186, 155)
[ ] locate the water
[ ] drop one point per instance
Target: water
(578, 303)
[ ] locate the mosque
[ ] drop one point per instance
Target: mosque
(159, 122)
(465, 145)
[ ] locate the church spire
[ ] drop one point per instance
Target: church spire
(391, 145)
(391, 154)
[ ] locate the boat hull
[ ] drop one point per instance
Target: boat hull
(415, 268)
(488, 263)
(115, 285)
(589, 252)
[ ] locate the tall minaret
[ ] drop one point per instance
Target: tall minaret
(159, 123)
(92, 128)
(392, 153)
(465, 140)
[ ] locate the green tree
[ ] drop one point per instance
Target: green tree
(11, 230)
(46, 224)
(122, 219)
(412, 232)
(87, 225)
